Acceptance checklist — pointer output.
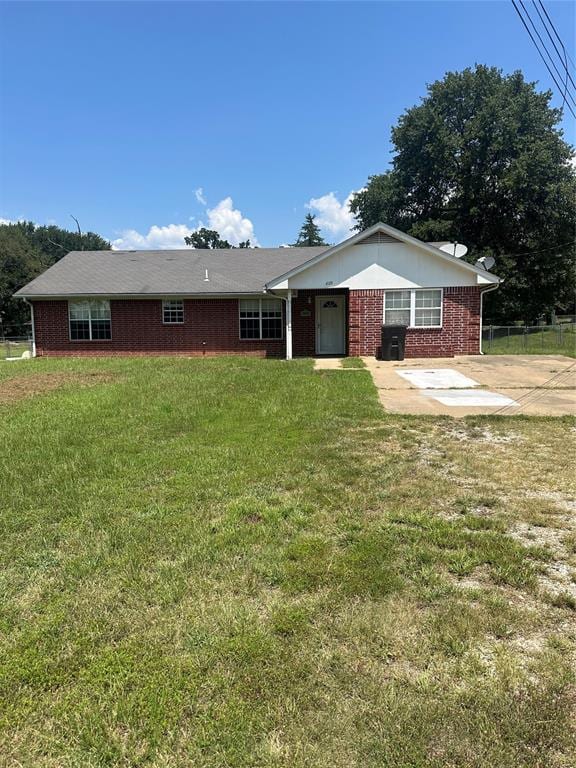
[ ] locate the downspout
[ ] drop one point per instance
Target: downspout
(31, 305)
(288, 300)
(493, 288)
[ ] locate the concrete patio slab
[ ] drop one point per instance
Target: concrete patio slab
(436, 378)
(459, 398)
(543, 385)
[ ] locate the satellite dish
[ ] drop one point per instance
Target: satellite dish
(454, 249)
(485, 262)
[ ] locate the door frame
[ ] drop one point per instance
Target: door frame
(317, 310)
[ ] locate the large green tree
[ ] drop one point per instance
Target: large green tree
(210, 238)
(55, 242)
(309, 233)
(482, 160)
(26, 250)
(20, 261)
(206, 238)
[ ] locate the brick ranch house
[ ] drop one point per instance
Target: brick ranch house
(268, 301)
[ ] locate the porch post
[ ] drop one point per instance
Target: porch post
(289, 325)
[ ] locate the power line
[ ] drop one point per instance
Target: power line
(543, 44)
(557, 35)
(565, 63)
(537, 392)
(542, 250)
(557, 51)
(527, 28)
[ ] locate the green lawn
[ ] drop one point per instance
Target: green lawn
(230, 562)
(542, 342)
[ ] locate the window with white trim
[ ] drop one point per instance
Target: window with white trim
(90, 320)
(417, 307)
(173, 312)
(260, 318)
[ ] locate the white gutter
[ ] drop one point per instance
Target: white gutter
(288, 301)
(289, 325)
(493, 288)
(31, 305)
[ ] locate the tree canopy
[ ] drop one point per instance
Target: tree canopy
(210, 238)
(26, 250)
(206, 238)
(309, 233)
(482, 161)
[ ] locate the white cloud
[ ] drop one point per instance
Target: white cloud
(159, 238)
(199, 195)
(230, 223)
(333, 216)
(224, 218)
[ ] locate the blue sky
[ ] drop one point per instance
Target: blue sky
(134, 116)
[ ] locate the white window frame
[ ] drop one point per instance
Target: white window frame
(260, 337)
(172, 322)
(87, 301)
(413, 292)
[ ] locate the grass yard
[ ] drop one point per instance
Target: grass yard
(245, 563)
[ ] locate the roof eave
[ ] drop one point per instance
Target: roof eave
(138, 295)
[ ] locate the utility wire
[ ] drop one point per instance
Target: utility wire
(542, 250)
(541, 55)
(534, 394)
(557, 35)
(565, 64)
(545, 47)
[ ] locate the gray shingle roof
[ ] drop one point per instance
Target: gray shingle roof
(181, 272)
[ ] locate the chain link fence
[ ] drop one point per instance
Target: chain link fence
(529, 339)
(15, 347)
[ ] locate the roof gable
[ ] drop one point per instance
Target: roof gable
(383, 233)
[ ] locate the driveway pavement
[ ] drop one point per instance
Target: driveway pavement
(542, 385)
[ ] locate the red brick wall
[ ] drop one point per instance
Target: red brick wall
(459, 335)
(211, 326)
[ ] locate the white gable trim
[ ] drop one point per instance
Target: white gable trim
(280, 281)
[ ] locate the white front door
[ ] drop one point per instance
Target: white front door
(330, 327)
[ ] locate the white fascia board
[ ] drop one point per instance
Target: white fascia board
(152, 296)
(393, 232)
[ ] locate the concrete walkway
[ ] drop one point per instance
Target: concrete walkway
(328, 364)
(542, 385)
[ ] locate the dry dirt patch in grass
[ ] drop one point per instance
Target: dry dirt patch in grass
(495, 474)
(37, 384)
